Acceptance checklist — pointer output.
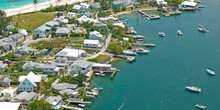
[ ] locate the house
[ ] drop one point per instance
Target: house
(43, 52)
(18, 38)
(61, 19)
(10, 106)
(69, 92)
(6, 82)
(80, 66)
(70, 15)
(126, 39)
(7, 94)
(23, 31)
(79, 30)
(84, 18)
(64, 86)
(102, 67)
(77, 8)
(49, 69)
(91, 43)
(9, 27)
(120, 3)
(52, 24)
(62, 32)
(95, 5)
(26, 97)
(71, 54)
(29, 83)
(42, 31)
(61, 62)
(188, 6)
(7, 44)
(24, 49)
(120, 24)
(55, 101)
(28, 66)
(85, 6)
(88, 14)
(161, 2)
(95, 35)
(3, 66)
(109, 19)
(101, 25)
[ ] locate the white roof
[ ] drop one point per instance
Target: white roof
(96, 33)
(86, 19)
(161, 2)
(70, 52)
(125, 39)
(85, 5)
(119, 24)
(31, 77)
(108, 18)
(76, 7)
(101, 65)
(87, 41)
(9, 105)
(187, 3)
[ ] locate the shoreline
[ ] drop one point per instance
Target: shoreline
(40, 6)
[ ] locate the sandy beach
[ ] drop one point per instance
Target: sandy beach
(40, 6)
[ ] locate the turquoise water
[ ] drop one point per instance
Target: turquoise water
(163, 73)
(10, 4)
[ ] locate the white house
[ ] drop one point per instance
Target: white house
(71, 54)
(10, 106)
(70, 15)
(188, 5)
(95, 35)
(126, 39)
(55, 101)
(161, 2)
(8, 93)
(29, 82)
(84, 18)
(77, 8)
(3, 66)
(61, 19)
(91, 43)
(85, 6)
(109, 19)
(80, 66)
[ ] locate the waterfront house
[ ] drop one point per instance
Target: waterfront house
(55, 101)
(62, 32)
(24, 49)
(29, 83)
(69, 92)
(96, 5)
(3, 66)
(80, 66)
(120, 24)
(101, 67)
(88, 14)
(63, 86)
(10, 106)
(91, 43)
(18, 38)
(110, 19)
(70, 15)
(188, 6)
(95, 35)
(9, 27)
(43, 52)
(71, 54)
(101, 25)
(84, 18)
(25, 97)
(161, 2)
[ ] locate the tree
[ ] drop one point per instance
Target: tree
(3, 21)
(35, 3)
(39, 105)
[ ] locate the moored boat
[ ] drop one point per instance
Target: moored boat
(82, 105)
(141, 51)
(202, 29)
(210, 71)
(179, 32)
(138, 37)
(162, 34)
(149, 45)
(129, 53)
(193, 88)
(100, 74)
(201, 106)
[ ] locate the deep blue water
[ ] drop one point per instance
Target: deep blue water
(163, 73)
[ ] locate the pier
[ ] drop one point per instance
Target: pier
(144, 45)
(151, 17)
(113, 73)
(72, 100)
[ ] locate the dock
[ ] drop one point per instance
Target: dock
(150, 17)
(144, 45)
(172, 13)
(113, 73)
(72, 100)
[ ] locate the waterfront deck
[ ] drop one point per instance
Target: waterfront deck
(81, 101)
(150, 17)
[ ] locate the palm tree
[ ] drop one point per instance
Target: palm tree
(35, 3)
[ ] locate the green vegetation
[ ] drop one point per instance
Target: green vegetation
(39, 105)
(104, 13)
(82, 93)
(74, 80)
(115, 48)
(31, 21)
(101, 59)
(4, 21)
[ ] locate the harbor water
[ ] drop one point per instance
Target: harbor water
(164, 73)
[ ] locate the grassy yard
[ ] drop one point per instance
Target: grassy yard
(100, 59)
(76, 38)
(31, 21)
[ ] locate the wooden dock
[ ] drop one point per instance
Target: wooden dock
(144, 45)
(151, 17)
(113, 73)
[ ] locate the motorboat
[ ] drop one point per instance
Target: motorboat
(162, 34)
(130, 53)
(141, 51)
(202, 29)
(100, 74)
(179, 32)
(210, 71)
(138, 37)
(82, 105)
(193, 88)
(149, 45)
(201, 106)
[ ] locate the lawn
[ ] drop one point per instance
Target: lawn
(31, 21)
(101, 59)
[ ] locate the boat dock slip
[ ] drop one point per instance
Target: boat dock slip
(151, 17)
(144, 45)
(72, 100)
(172, 13)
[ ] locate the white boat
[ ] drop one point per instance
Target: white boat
(193, 88)
(138, 37)
(82, 105)
(202, 29)
(129, 53)
(141, 51)
(162, 34)
(149, 45)
(210, 71)
(99, 74)
(201, 106)
(179, 32)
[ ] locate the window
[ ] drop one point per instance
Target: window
(29, 83)
(30, 88)
(21, 88)
(24, 83)
(24, 88)
(46, 68)
(27, 88)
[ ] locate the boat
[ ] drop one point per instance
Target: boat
(82, 105)
(141, 51)
(179, 32)
(100, 88)
(130, 59)
(202, 29)
(100, 74)
(129, 53)
(149, 45)
(193, 88)
(210, 71)
(162, 34)
(138, 37)
(131, 31)
(201, 106)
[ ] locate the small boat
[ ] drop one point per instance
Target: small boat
(201, 106)
(129, 53)
(100, 74)
(193, 88)
(141, 51)
(179, 32)
(202, 29)
(100, 88)
(210, 71)
(130, 59)
(162, 34)
(149, 45)
(82, 105)
(138, 37)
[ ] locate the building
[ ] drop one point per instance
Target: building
(10, 106)
(24, 49)
(95, 35)
(61, 19)
(71, 54)
(84, 18)
(61, 62)
(77, 8)
(56, 102)
(85, 6)
(120, 3)
(126, 39)
(79, 30)
(43, 52)
(26, 97)
(63, 32)
(91, 44)
(101, 25)
(161, 2)
(9, 27)
(3, 66)
(23, 31)
(188, 6)
(7, 94)
(52, 24)
(64, 86)
(70, 15)
(96, 5)
(7, 44)
(69, 92)
(109, 19)
(102, 67)
(80, 66)
(6, 82)
(18, 38)
(29, 83)
(28, 66)
(88, 14)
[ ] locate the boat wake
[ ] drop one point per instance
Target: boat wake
(122, 105)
